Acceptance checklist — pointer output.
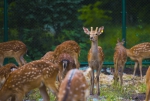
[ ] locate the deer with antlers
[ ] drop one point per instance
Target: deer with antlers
(120, 58)
(95, 56)
(74, 87)
(36, 74)
(15, 49)
(148, 84)
(137, 53)
(69, 47)
(4, 72)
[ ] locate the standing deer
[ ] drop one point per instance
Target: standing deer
(15, 49)
(4, 72)
(95, 56)
(70, 47)
(148, 84)
(137, 53)
(120, 58)
(74, 87)
(36, 74)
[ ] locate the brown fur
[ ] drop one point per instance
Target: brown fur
(49, 56)
(137, 53)
(66, 63)
(95, 56)
(15, 49)
(74, 87)
(70, 47)
(148, 84)
(4, 72)
(120, 58)
(36, 74)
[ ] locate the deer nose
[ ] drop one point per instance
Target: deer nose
(91, 38)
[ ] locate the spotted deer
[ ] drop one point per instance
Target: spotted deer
(15, 49)
(95, 56)
(137, 53)
(4, 72)
(49, 56)
(74, 87)
(120, 58)
(147, 84)
(66, 63)
(69, 47)
(36, 74)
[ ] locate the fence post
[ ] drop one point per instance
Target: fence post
(5, 24)
(124, 21)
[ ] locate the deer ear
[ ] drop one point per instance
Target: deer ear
(100, 30)
(86, 30)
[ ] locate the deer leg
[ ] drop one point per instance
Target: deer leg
(44, 93)
(147, 94)
(53, 88)
(1, 60)
(92, 82)
(19, 96)
(121, 74)
(22, 60)
(18, 61)
(97, 78)
(140, 67)
(135, 67)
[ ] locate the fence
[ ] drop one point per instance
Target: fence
(42, 25)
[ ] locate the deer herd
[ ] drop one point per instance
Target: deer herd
(62, 65)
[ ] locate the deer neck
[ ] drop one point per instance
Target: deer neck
(128, 52)
(94, 48)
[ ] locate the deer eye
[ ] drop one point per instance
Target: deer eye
(96, 34)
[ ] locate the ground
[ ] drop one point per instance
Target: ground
(106, 80)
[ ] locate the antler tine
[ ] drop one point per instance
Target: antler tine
(91, 28)
(96, 29)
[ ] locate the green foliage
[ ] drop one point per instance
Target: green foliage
(92, 14)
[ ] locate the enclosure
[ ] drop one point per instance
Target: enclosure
(44, 24)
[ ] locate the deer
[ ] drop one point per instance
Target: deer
(120, 58)
(70, 47)
(74, 87)
(95, 56)
(137, 53)
(49, 56)
(15, 49)
(5, 70)
(36, 74)
(66, 63)
(147, 84)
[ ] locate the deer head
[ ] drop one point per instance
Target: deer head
(94, 33)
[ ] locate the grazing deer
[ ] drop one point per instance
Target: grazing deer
(36, 74)
(120, 58)
(74, 87)
(69, 47)
(49, 56)
(15, 49)
(66, 63)
(95, 56)
(4, 72)
(137, 53)
(148, 84)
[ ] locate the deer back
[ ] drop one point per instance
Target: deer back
(49, 56)
(74, 87)
(11, 48)
(141, 50)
